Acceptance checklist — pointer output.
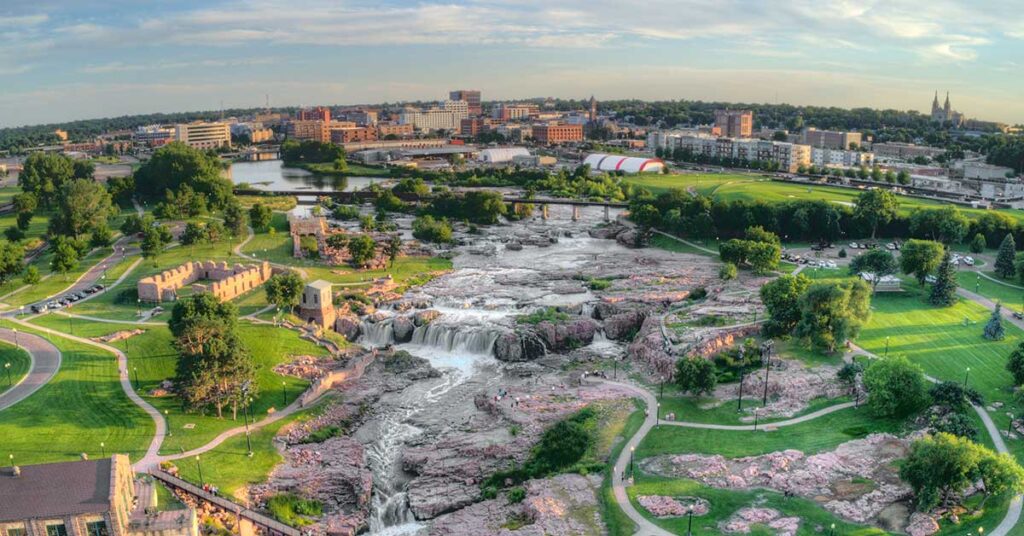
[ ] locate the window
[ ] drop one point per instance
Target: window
(56, 529)
(96, 528)
(16, 531)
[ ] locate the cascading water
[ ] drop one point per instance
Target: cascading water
(469, 339)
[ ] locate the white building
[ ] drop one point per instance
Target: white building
(446, 117)
(789, 156)
(628, 164)
(499, 155)
(203, 135)
(823, 157)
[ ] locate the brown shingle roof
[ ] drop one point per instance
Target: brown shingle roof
(55, 489)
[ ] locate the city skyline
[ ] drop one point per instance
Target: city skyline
(100, 59)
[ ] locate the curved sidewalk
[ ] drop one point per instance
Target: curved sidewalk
(45, 362)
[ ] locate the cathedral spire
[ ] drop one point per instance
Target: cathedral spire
(946, 107)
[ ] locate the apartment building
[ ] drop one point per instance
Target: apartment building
(513, 112)
(472, 126)
(557, 133)
(789, 156)
(735, 123)
(353, 134)
(448, 116)
(203, 135)
(904, 151)
(310, 130)
(385, 130)
(831, 139)
(472, 98)
(319, 113)
(841, 158)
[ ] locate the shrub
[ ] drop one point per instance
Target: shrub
(516, 495)
(599, 284)
(727, 271)
(842, 253)
(346, 212)
(978, 243)
(293, 510)
(698, 293)
(547, 314)
(428, 229)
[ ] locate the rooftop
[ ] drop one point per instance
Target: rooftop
(55, 489)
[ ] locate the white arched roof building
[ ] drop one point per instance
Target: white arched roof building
(497, 155)
(628, 164)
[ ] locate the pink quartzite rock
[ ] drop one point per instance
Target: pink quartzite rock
(922, 525)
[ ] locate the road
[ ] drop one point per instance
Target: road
(45, 361)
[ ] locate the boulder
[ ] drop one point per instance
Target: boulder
(422, 318)
(519, 346)
(403, 327)
(623, 325)
(348, 326)
(568, 335)
(604, 310)
(922, 525)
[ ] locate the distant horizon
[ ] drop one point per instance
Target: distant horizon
(64, 61)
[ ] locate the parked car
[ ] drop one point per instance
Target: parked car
(853, 245)
(969, 261)
(930, 279)
(39, 308)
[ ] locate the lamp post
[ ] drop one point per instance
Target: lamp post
(199, 465)
(766, 355)
(167, 423)
(689, 521)
(739, 403)
(138, 306)
(248, 441)
(632, 450)
(832, 530)
(103, 449)
(756, 413)
(977, 283)
(967, 374)
(1009, 426)
(135, 370)
(284, 394)
(11, 458)
(657, 416)
(16, 345)
(886, 346)
(7, 366)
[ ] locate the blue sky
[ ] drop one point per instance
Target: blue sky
(72, 59)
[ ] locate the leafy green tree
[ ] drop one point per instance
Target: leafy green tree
(978, 243)
(920, 258)
(896, 387)
(758, 234)
(203, 305)
(44, 173)
(832, 313)
(65, 257)
(260, 216)
(876, 261)
(999, 473)
(215, 369)
(950, 395)
(235, 219)
(1015, 364)
(938, 467)
(12, 261)
(84, 169)
(943, 293)
(284, 290)
(82, 205)
(695, 375)
(362, 249)
(764, 257)
(947, 224)
(25, 205)
(428, 229)
(175, 165)
(1004, 267)
(101, 236)
(311, 152)
(876, 207)
(727, 272)
(194, 233)
(994, 330)
(154, 238)
(14, 234)
(781, 297)
(32, 276)
(392, 248)
(903, 177)
(847, 374)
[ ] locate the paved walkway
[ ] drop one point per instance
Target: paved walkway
(44, 362)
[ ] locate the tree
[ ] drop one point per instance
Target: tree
(920, 258)
(12, 261)
(876, 261)
(764, 257)
(194, 233)
(65, 257)
(727, 271)
(204, 305)
(214, 368)
(25, 205)
(82, 205)
(999, 473)
(102, 236)
(781, 297)
(896, 387)
(154, 238)
(943, 293)
(428, 229)
(260, 216)
(832, 313)
(31, 275)
(695, 375)
(947, 224)
(235, 219)
(938, 466)
(876, 207)
(994, 330)
(847, 374)
(362, 249)
(978, 243)
(950, 395)
(44, 173)
(903, 177)
(284, 290)
(1004, 267)
(175, 165)
(1015, 364)
(393, 247)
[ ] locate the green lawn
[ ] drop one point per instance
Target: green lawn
(936, 339)
(668, 244)
(18, 361)
(1009, 296)
(56, 282)
(82, 406)
(155, 359)
(823, 433)
(229, 467)
(615, 519)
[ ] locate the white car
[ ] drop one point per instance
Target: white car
(831, 264)
(969, 261)
(890, 246)
(930, 279)
(853, 245)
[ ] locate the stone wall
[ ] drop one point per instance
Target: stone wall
(227, 283)
(354, 370)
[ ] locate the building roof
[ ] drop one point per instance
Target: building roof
(56, 489)
(320, 284)
(628, 164)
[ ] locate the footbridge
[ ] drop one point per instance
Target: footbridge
(308, 197)
(248, 520)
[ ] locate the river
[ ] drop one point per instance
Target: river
(272, 175)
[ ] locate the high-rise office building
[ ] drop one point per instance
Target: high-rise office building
(472, 98)
(735, 123)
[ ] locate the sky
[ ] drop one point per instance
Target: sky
(76, 59)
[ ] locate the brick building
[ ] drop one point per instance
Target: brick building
(394, 129)
(317, 304)
(310, 130)
(554, 134)
(319, 113)
(353, 134)
(225, 282)
(472, 98)
(735, 123)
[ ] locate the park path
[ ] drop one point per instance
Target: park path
(44, 362)
(237, 250)
(685, 241)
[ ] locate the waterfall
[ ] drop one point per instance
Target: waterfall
(462, 339)
(376, 334)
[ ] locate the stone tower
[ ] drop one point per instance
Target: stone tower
(317, 304)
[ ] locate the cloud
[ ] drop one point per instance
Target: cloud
(23, 20)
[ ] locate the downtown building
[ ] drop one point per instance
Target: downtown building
(831, 139)
(841, 158)
(203, 136)
(448, 116)
(789, 156)
(472, 97)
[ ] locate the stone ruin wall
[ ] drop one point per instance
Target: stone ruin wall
(228, 281)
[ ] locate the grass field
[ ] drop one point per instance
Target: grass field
(736, 186)
(152, 359)
(936, 339)
(617, 522)
(669, 244)
(823, 433)
(1002, 292)
(82, 406)
(14, 365)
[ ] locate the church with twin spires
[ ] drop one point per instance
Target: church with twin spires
(945, 113)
